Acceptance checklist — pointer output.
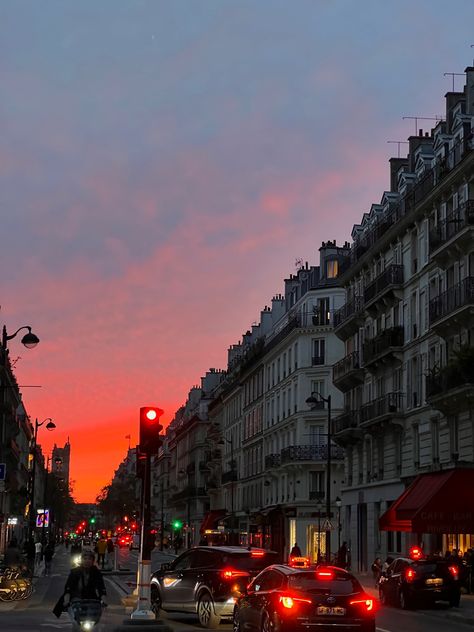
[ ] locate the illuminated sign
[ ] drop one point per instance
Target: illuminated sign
(42, 518)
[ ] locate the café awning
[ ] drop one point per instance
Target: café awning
(438, 502)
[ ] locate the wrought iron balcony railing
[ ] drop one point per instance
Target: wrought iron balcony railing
(349, 363)
(454, 223)
(382, 406)
(392, 275)
(349, 309)
(384, 341)
(455, 297)
(310, 453)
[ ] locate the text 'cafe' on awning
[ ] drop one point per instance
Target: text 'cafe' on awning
(438, 503)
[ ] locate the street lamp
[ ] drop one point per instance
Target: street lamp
(50, 425)
(29, 340)
(338, 505)
(222, 441)
(315, 399)
(319, 504)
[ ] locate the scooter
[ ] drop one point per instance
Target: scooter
(85, 614)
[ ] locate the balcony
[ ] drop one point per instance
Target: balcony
(188, 492)
(384, 291)
(317, 360)
(453, 309)
(451, 389)
(298, 453)
(272, 461)
(454, 236)
(346, 427)
(349, 318)
(381, 410)
(347, 373)
(385, 349)
(229, 477)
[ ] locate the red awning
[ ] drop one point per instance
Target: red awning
(440, 502)
(211, 519)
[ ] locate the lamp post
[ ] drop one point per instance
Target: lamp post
(338, 502)
(232, 467)
(313, 400)
(319, 505)
(50, 425)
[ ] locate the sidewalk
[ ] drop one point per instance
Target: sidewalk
(463, 614)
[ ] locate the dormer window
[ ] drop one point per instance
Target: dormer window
(332, 269)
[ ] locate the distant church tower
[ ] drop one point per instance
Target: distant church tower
(61, 461)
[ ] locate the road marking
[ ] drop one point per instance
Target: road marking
(382, 629)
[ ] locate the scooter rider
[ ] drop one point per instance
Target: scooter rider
(84, 582)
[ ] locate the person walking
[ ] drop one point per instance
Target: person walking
(101, 550)
(376, 570)
(295, 551)
(48, 558)
(38, 553)
(342, 555)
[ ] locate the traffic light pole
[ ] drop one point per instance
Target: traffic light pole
(143, 610)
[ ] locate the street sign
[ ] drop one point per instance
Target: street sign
(327, 525)
(3, 471)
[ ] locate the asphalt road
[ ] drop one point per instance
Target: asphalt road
(34, 615)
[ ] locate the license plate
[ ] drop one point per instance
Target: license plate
(434, 581)
(327, 610)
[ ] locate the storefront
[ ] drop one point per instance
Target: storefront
(439, 508)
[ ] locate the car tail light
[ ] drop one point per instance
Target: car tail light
(299, 562)
(230, 573)
(289, 602)
(454, 570)
(257, 553)
(410, 575)
(366, 605)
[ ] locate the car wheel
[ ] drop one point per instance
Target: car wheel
(206, 613)
(266, 624)
(155, 600)
(404, 601)
(454, 601)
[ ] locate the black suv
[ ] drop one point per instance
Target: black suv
(207, 580)
(408, 583)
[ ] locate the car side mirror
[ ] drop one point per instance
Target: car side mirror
(165, 566)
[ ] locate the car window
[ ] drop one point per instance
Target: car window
(269, 580)
(341, 584)
(248, 561)
(396, 567)
(205, 559)
(183, 562)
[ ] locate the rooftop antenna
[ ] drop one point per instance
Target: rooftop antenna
(299, 263)
(423, 118)
(399, 142)
(472, 46)
(454, 74)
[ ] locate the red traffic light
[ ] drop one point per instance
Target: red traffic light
(150, 428)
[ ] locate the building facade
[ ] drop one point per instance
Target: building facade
(407, 329)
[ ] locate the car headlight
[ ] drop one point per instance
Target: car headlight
(87, 625)
(76, 560)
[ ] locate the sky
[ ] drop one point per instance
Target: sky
(163, 164)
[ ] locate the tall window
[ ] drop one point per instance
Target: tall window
(318, 351)
(332, 269)
(316, 481)
(316, 435)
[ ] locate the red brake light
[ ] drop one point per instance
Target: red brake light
(230, 573)
(367, 605)
(299, 562)
(454, 570)
(257, 553)
(327, 574)
(289, 602)
(416, 553)
(410, 575)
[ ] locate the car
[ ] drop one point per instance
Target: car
(288, 599)
(408, 582)
(134, 542)
(124, 540)
(207, 580)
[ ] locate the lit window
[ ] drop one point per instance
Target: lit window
(332, 269)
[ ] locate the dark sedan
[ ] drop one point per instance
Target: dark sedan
(408, 583)
(282, 598)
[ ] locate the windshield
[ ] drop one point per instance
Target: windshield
(340, 585)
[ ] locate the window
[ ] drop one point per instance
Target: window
(332, 269)
(318, 351)
(316, 435)
(318, 387)
(321, 313)
(454, 436)
(416, 446)
(296, 355)
(316, 482)
(183, 562)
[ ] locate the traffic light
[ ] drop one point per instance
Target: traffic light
(150, 428)
(177, 525)
(92, 520)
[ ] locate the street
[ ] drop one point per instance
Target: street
(35, 614)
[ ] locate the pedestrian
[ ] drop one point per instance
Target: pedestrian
(38, 553)
(295, 551)
(376, 570)
(101, 550)
(386, 564)
(342, 555)
(29, 550)
(48, 558)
